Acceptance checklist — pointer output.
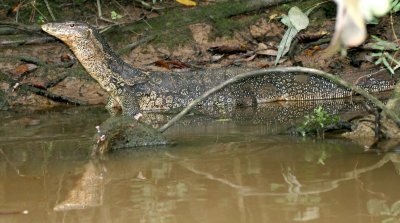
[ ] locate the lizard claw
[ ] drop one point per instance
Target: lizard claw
(138, 116)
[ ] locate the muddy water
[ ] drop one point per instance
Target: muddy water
(238, 168)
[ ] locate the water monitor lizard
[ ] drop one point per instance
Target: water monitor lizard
(135, 90)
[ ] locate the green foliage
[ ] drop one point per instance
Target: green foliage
(296, 20)
(383, 56)
(317, 122)
(395, 6)
(40, 20)
(115, 15)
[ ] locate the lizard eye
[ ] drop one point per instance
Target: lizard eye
(72, 25)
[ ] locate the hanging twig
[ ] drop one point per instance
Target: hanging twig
(335, 79)
(100, 13)
(50, 11)
(36, 9)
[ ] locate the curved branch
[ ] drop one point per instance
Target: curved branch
(335, 79)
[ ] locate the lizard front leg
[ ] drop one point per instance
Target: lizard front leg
(113, 106)
(129, 105)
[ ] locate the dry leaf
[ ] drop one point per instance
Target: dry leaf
(262, 49)
(273, 16)
(251, 57)
(187, 2)
(14, 9)
(22, 69)
(171, 64)
(216, 58)
(178, 64)
(162, 63)
(268, 52)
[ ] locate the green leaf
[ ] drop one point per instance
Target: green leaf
(295, 21)
(387, 65)
(285, 20)
(378, 61)
(376, 54)
(115, 15)
(284, 45)
(298, 18)
(392, 59)
(307, 13)
(383, 44)
(395, 6)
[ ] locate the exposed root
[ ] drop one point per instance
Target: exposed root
(365, 130)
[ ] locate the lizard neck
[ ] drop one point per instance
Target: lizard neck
(108, 69)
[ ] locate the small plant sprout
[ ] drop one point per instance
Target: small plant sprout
(317, 122)
(115, 15)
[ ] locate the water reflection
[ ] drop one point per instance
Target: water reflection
(219, 171)
(88, 191)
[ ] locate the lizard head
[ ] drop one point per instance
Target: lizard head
(69, 32)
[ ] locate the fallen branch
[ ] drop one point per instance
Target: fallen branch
(41, 92)
(53, 97)
(22, 27)
(335, 79)
(23, 58)
(27, 41)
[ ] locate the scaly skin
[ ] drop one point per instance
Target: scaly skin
(135, 90)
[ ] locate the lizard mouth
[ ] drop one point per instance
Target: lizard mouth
(47, 28)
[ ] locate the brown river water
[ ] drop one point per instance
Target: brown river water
(238, 168)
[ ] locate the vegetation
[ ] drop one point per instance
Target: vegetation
(316, 123)
(383, 56)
